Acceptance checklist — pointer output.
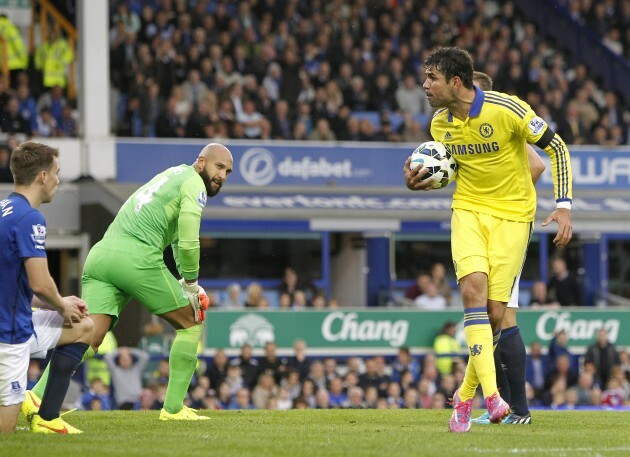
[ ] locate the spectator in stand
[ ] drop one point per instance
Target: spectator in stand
(248, 365)
(45, 124)
(265, 389)
(536, 370)
(217, 369)
(614, 395)
(242, 400)
(425, 394)
(355, 399)
(418, 287)
(291, 382)
(438, 276)
(572, 127)
(322, 399)
(28, 107)
(382, 51)
(337, 396)
(69, 127)
(99, 391)
(445, 346)
(12, 120)
(557, 347)
(232, 297)
(562, 373)
(271, 363)
(618, 374)
(584, 389)
(330, 369)
(405, 363)
(168, 123)
(5, 172)
(251, 120)
(430, 300)
(539, 296)
(162, 372)
(54, 100)
(52, 57)
(317, 375)
(234, 377)
(393, 395)
(290, 283)
(126, 366)
(156, 344)
(371, 376)
(193, 89)
(322, 132)
(299, 361)
(281, 124)
(411, 98)
(318, 302)
(410, 399)
(563, 286)
(603, 355)
(254, 295)
(224, 397)
(300, 302)
(447, 386)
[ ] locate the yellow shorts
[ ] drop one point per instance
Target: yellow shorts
(491, 245)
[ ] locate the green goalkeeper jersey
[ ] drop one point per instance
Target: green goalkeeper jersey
(166, 210)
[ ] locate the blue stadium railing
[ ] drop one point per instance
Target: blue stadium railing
(586, 47)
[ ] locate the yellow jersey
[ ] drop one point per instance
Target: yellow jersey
(489, 146)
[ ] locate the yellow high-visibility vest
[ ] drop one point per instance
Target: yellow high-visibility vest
(16, 56)
(52, 59)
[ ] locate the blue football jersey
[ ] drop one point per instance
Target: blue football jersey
(22, 235)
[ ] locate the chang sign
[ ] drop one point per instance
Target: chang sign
(338, 326)
(578, 330)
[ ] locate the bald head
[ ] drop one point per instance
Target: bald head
(214, 164)
(215, 150)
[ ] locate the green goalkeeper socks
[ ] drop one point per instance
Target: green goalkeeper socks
(39, 388)
(182, 362)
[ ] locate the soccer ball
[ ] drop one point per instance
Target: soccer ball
(440, 163)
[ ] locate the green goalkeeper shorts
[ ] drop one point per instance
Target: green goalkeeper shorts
(117, 270)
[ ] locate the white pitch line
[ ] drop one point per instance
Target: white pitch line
(550, 449)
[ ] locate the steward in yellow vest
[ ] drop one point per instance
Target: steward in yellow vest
(52, 57)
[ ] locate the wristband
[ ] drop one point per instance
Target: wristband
(563, 204)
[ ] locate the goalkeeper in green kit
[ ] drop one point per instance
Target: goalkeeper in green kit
(128, 263)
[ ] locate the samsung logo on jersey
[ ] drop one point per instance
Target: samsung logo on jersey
(474, 148)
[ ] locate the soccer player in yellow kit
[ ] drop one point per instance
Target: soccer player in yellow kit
(493, 207)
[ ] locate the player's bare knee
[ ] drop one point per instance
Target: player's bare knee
(473, 294)
(86, 329)
(97, 338)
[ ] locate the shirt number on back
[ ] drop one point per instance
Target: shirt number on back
(146, 195)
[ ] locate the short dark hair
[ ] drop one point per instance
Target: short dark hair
(452, 62)
(482, 80)
(29, 159)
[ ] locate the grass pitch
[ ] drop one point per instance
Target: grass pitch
(318, 433)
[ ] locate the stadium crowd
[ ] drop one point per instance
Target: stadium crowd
(338, 70)
(136, 378)
(431, 291)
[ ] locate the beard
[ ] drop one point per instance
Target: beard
(208, 183)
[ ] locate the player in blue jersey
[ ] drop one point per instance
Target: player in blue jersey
(510, 355)
(24, 271)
